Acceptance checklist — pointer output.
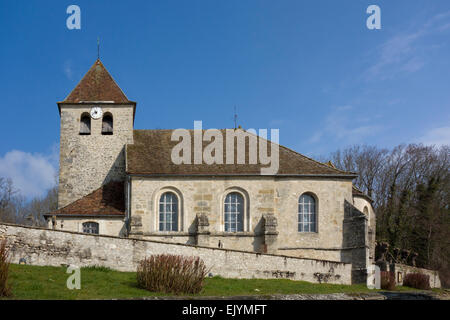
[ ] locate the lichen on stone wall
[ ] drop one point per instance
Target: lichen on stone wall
(54, 247)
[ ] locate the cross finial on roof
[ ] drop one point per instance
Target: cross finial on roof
(98, 48)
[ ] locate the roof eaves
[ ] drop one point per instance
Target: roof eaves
(361, 194)
(49, 214)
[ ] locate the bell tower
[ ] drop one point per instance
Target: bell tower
(96, 124)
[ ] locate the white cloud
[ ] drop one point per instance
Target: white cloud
(276, 123)
(68, 70)
(437, 18)
(343, 125)
(445, 27)
(344, 108)
(437, 136)
(413, 65)
(405, 52)
(32, 174)
(397, 54)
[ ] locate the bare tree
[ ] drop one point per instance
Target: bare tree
(7, 193)
(410, 185)
(16, 208)
(366, 161)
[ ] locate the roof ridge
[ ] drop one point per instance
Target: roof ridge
(78, 83)
(101, 188)
(83, 197)
(112, 78)
(364, 194)
(318, 162)
(302, 155)
(145, 138)
(97, 85)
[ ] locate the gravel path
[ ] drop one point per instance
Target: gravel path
(332, 296)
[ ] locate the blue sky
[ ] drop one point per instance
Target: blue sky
(309, 68)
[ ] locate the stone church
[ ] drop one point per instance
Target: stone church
(118, 181)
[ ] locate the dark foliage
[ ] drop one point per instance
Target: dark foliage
(417, 280)
(171, 274)
(410, 186)
(387, 280)
(5, 288)
(15, 208)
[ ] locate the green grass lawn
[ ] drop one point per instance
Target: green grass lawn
(34, 282)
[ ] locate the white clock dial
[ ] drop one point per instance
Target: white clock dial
(96, 112)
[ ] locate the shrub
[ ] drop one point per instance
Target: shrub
(417, 280)
(171, 274)
(5, 289)
(98, 268)
(387, 280)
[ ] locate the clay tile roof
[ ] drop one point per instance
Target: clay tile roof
(97, 85)
(358, 193)
(107, 200)
(151, 154)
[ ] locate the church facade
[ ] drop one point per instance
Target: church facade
(118, 181)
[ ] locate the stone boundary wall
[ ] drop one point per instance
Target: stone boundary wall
(41, 246)
(400, 271)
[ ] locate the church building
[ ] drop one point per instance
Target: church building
(118, 181)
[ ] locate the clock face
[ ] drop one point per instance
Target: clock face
(96, 112)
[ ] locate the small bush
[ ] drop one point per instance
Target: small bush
(387, 280)
(5, 289)
(98, 268)
(171, 274)
(417, 280)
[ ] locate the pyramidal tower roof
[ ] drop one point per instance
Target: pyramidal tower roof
(97, 85)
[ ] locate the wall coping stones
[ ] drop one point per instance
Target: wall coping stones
(171, 243)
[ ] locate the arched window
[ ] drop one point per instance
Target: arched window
(90, 227)
(366, 210)
(168, 212)
(307, 214)
(85, 124)
(234, 212)
(107, 124)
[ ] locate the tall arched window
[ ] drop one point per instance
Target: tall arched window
(168, 212)
(234, 212)
(90, 227)
(107, 124)
(307, 214)
(85, 124)
(366, 211)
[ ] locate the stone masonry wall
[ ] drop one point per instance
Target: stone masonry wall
(356, 240)
(263, 196)
(113, 226)
(55, 248)
(362, 205)
(89, 161)
(401, 270)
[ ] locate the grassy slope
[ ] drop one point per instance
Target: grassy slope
(34, 282)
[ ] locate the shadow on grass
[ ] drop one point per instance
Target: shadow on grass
(408, 295)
